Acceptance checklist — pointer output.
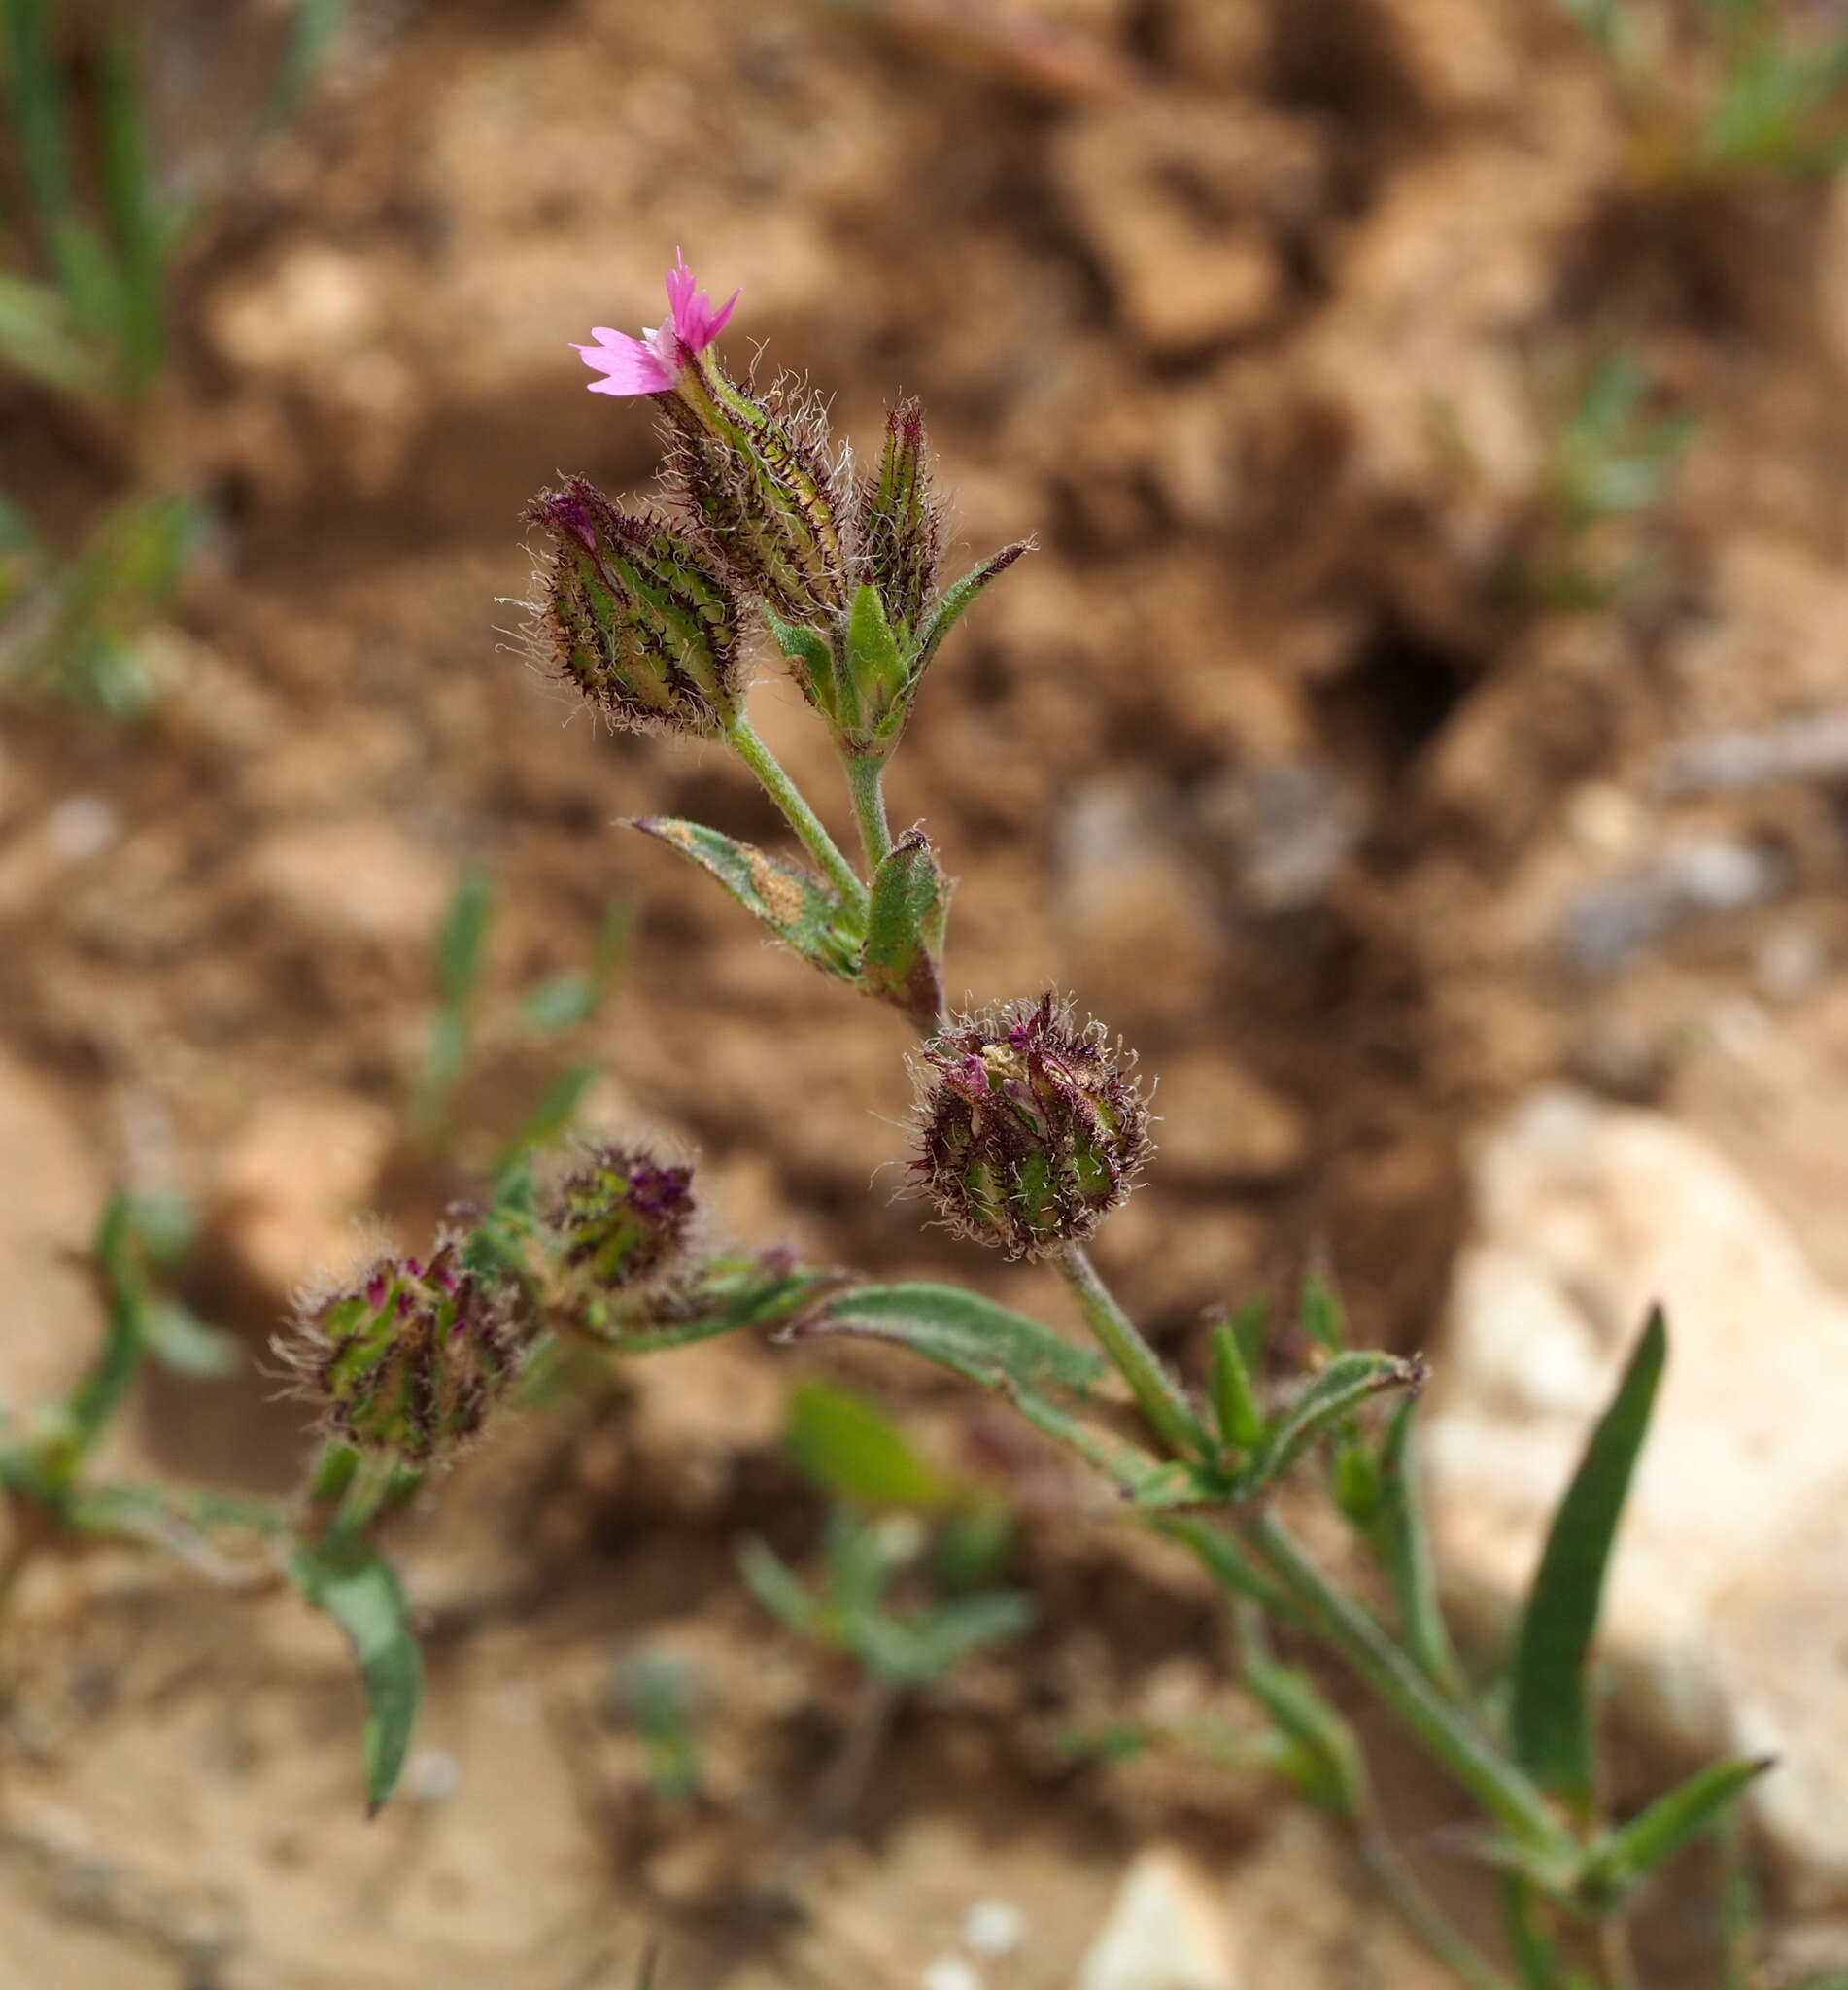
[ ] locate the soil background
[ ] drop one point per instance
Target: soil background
(1318, 749)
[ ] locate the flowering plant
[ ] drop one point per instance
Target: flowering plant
(1030, 1128)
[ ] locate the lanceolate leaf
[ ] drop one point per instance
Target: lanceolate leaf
(1624, 1856)
(1045, 1377)
(901, 963)
(1341, 1388)
(1549, 1721)
(796, 906)
(953, 600)
(353, 1583)
(962, 1331)
(1405, 1552)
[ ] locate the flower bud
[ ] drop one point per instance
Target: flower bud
(623, 1219)
(1029, 1131)
(898, 529)
(634, 615)
(763, 491)
(411, 1356)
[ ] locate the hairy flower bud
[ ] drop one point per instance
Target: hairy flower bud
(636, 616)
(411, 1356)
(1029, 1131)
(623, 1218)
(899, 528)
(763, 491)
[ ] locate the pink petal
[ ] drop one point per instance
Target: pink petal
(631, 366)
(695, 321)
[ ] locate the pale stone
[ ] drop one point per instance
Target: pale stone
(1727, 1609)
(1166, 1931)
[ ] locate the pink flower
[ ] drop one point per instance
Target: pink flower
(648, 365)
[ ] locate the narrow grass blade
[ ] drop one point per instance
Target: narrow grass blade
(1550, 1720)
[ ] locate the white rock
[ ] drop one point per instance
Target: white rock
(1167, 1930)
(993, 1927)
(1727, 1608)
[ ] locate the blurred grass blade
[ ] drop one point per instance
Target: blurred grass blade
(842, 1442)
(40, 123)
(181, 1341)
(462, 940)
(553, 1112)
(316, 28)
(37, 338)
(354, 1584)
(769, 1580)
(1405, 1552)
(1629, 1854)
(1551, 1718)
(132, 202)
(103, 1389)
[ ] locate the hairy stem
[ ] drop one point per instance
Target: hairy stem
(1157, 1393)
(1497, 1786)
(801, 819)
(865, 781)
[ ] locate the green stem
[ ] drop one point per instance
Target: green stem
(1422, 1913)
(801, 819)
(865, 779)
(1157, 1393)
(1497, 1786)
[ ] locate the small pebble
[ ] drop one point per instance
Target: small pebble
(431, 1776)
(949, 1972)
(993, 1927)
(81, 827)
(1790, 962)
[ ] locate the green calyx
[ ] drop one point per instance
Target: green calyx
(763, 492)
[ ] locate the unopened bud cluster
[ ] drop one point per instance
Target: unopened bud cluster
(411, 1356)
(623, 1219)
(1029, 1131)
(643, 615)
